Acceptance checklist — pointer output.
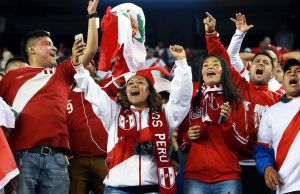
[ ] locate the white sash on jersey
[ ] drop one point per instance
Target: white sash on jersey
(30, 88)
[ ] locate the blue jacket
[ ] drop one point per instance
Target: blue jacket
(264, 157)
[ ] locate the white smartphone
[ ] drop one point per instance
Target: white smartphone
(79, 37)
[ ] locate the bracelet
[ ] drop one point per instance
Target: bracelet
(76, 65)
(210, 33)
(92, 15)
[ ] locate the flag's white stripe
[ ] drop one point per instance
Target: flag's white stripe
(134, 51)
(8, 177)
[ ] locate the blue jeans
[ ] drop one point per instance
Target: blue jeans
(180, 176)
(112, 190)
(42, 174)
(224, 187)
(2, 191)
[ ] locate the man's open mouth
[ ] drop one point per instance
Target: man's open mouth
(259, 71)
(53, 54)
(293, 82)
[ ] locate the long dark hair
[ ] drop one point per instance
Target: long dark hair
(154, 100)
(230, 92)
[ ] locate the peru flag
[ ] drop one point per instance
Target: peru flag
(8, 168)
(123, 38)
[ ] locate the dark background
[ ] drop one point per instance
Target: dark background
(169, 21)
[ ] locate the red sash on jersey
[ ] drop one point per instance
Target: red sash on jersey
(165, 170)
(287, 139)
(8, 168)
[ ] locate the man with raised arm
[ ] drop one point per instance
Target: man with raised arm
(39, 94)
(234, 48)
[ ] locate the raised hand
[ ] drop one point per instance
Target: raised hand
(210, 23)
(177, 52)
(77, 51)
(241, 23)
(92, 7)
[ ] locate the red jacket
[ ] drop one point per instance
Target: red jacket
(213, 157)
(257, 98)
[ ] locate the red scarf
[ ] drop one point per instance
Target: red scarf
(127, 127)
(165, 170)
(211, 103)
(207, 109)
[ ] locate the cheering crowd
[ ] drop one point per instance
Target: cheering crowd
(73, 125)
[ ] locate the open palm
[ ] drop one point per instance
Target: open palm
(241, 23)
(92, 7)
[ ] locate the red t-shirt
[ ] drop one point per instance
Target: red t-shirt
(43, 119)
(84, 127)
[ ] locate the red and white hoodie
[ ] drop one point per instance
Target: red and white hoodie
(257, 98)
(136, 170)
(213, 156)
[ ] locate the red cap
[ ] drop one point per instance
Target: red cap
(144, 72)
(147, 73)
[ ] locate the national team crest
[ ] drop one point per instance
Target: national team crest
(138, 26)
(166, 177)
(195, 113)
(127, 122)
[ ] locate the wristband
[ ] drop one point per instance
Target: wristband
(210, 33)
(92, 15)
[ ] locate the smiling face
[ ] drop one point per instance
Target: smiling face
(211, 71)
(291, 81)
(43, 52)
(137, 91)
(261, 69)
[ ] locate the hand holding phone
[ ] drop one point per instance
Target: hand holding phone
(79, 37)
(78, 49)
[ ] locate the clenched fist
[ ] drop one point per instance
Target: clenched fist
(177, 52)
